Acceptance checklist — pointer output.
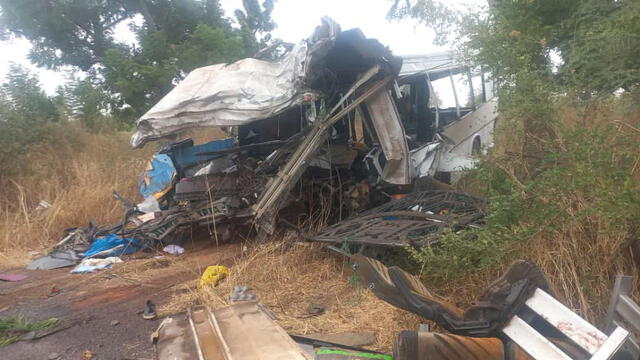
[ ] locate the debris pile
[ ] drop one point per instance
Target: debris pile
(336, 116)
(516, 317)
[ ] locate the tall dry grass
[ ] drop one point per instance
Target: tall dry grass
(578, 219)
(76, 175)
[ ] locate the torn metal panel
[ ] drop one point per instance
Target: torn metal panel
(391, 136)
(424, 160)
(278, 186)
(238, 93)
(492, 310)
(436, 65)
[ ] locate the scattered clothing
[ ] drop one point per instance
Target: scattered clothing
(91, 265)
(12, 277)
(212, 275)
(173, 249)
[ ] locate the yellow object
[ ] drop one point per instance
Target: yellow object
(212, 275)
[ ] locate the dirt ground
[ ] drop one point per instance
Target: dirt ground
(96, 300)
(286, 278)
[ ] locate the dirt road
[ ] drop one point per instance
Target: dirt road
(95, 302)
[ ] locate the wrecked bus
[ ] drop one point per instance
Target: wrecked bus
(336, 113)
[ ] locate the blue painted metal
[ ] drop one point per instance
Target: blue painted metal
(158, 177)
(185, 157)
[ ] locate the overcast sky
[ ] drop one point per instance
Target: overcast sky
(295, 19)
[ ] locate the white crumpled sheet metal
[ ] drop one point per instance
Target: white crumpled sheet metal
(234, 94)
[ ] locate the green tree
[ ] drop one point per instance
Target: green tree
(255, 24)
(70, 32)
(25, 113)
(86, 101)
(24, 100)
(175, 37)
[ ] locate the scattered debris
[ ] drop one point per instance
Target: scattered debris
(222, 334)
(242, 293)
(212, 275)
(149, 312)
(87, 355)
(517, 313)
(12, 277)
(416, 219)
(113, 245)
(54, 260)
(315, 309)
(42, 205)
(91, 265)
(173, 249)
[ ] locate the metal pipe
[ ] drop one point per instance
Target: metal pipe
(455, 93)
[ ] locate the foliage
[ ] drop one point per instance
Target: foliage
(577, 217)
(86, 101)
(25, 115)
(254, 21)
(12, 328)
(75, 32)
(562, 181)
(175, 37)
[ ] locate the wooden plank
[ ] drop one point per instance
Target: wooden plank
(611, 346)
(532, 342)
(569, 323)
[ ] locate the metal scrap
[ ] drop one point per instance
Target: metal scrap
(418, 219)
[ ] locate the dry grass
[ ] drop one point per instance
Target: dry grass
(287, 277)
(76, 176)
(77, 180)
(582, 252)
